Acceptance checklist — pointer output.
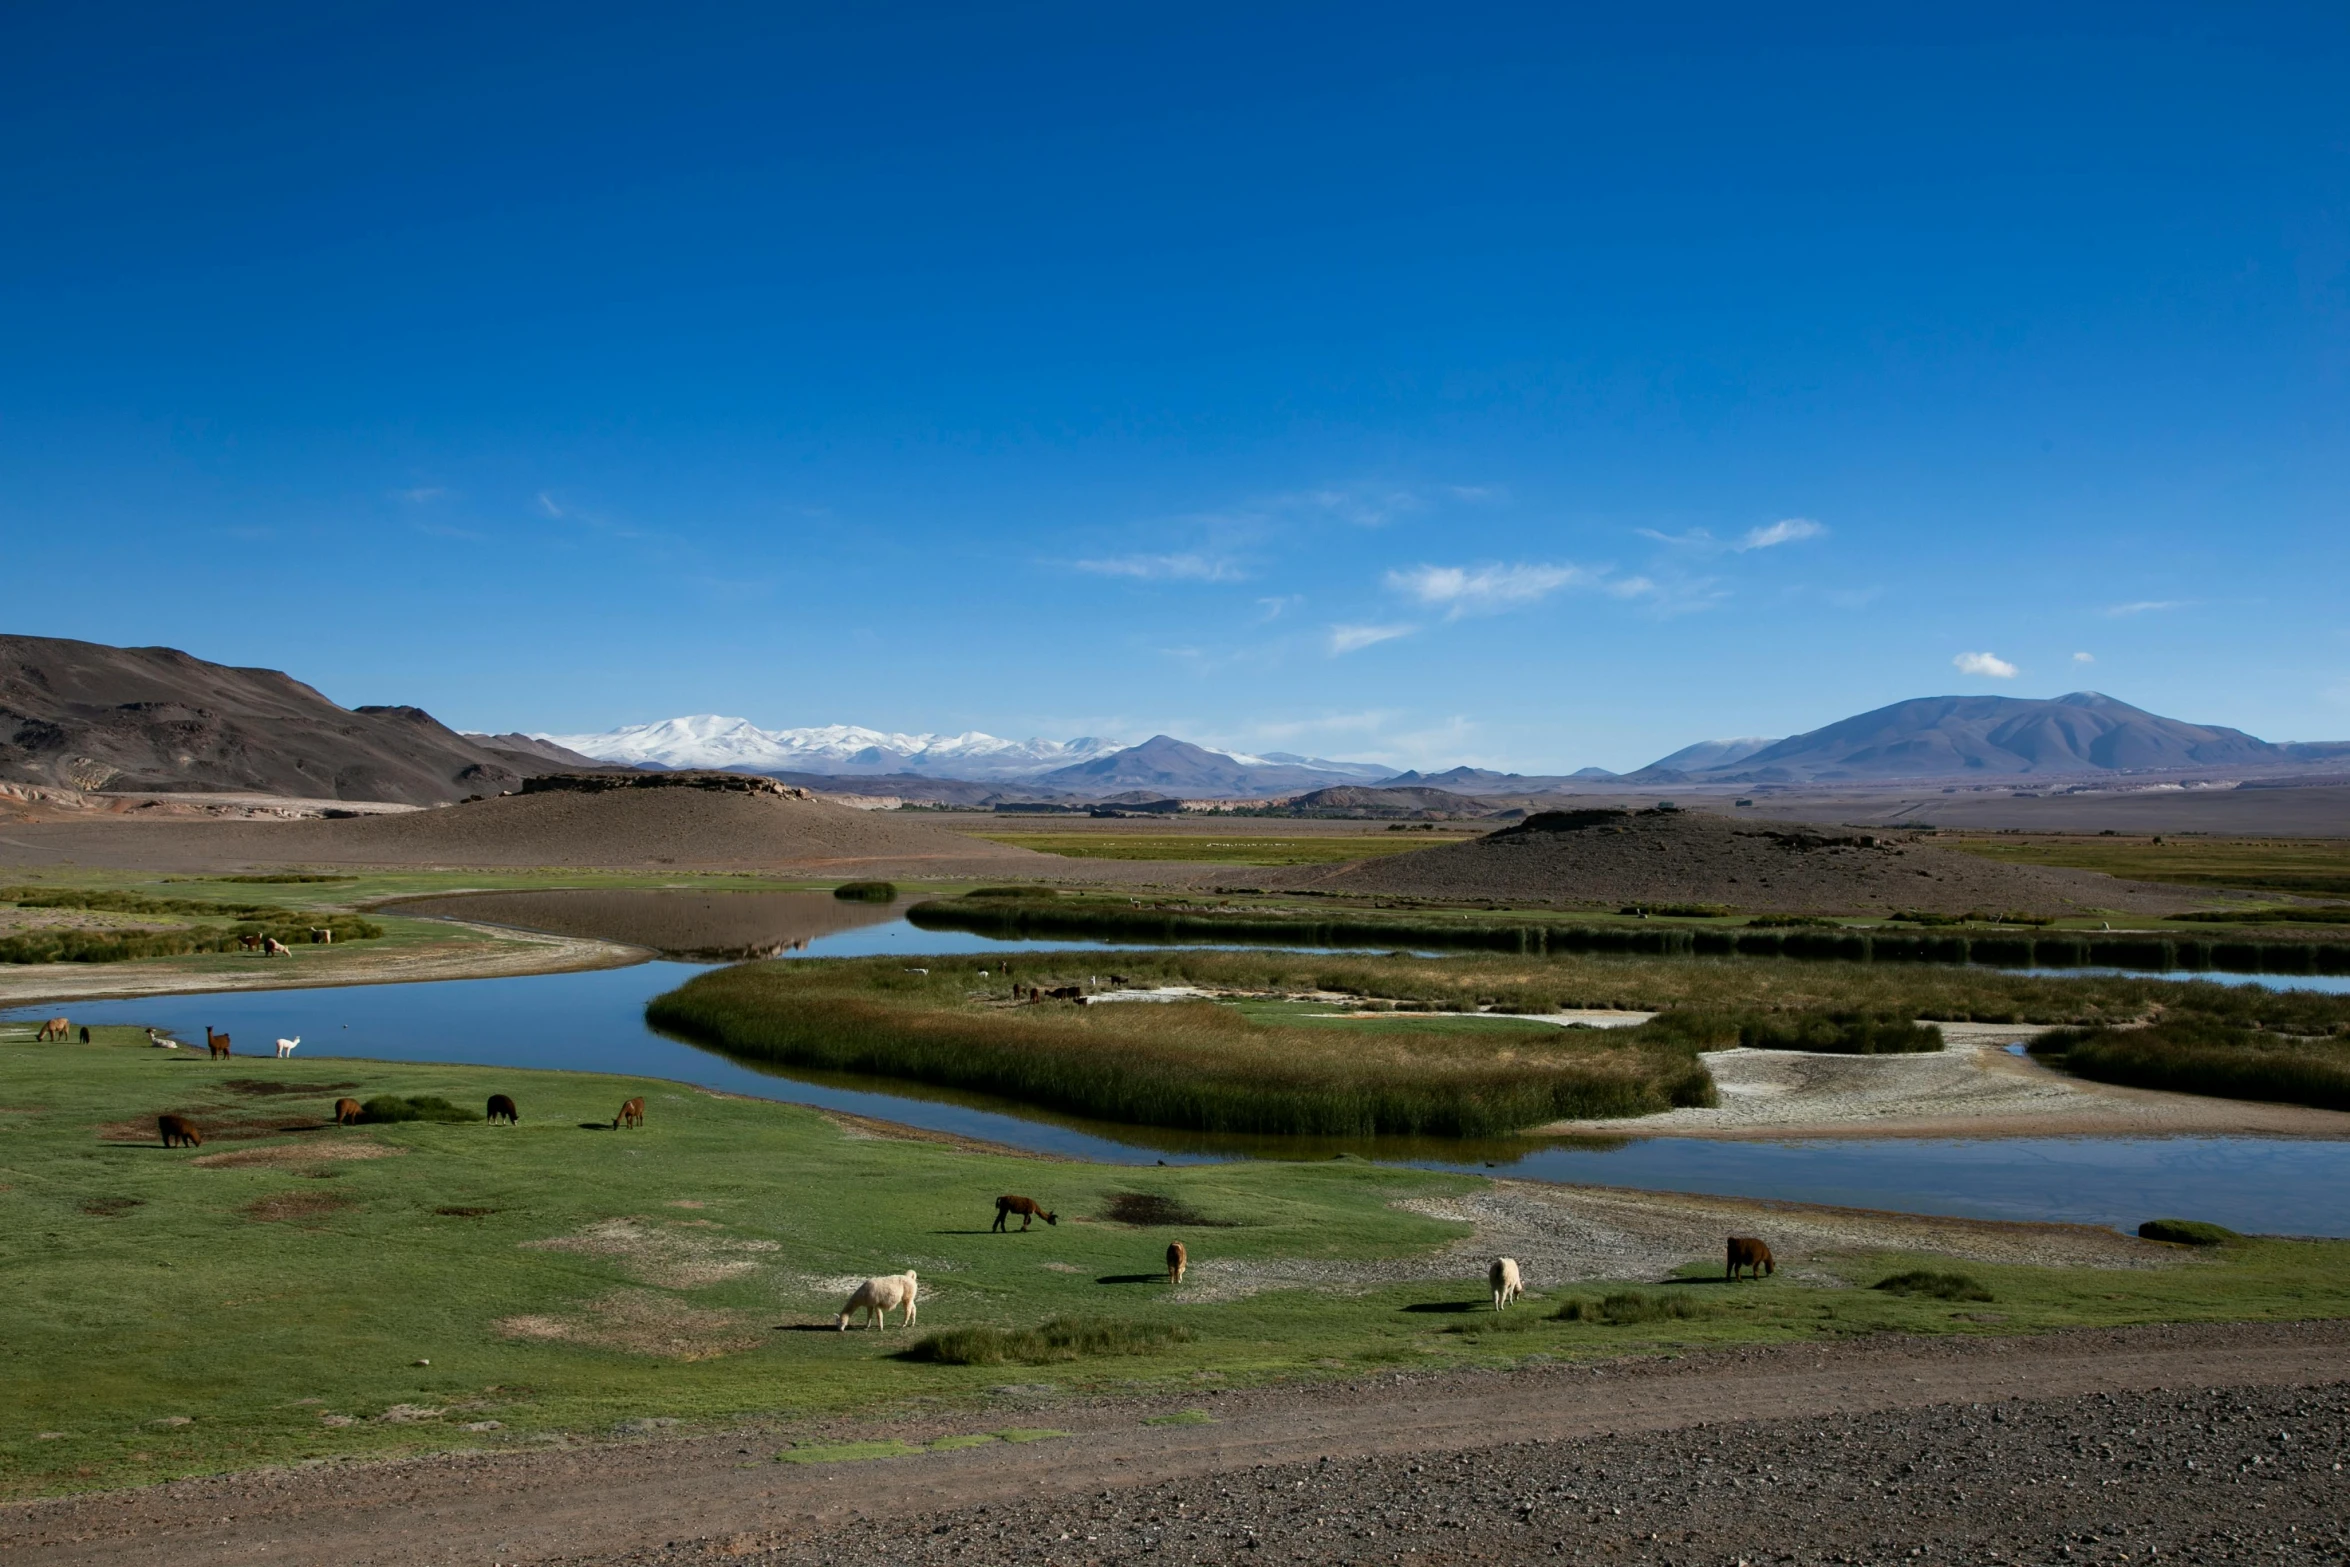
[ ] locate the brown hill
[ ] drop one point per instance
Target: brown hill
(153, 719)
(1620, 857)
(741, 824)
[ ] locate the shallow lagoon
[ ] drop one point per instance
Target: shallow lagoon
(594, 1022)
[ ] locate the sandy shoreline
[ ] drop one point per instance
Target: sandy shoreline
(1973, 1087)
(496, 952)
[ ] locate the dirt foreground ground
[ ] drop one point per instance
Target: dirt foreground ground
(2202, 1444)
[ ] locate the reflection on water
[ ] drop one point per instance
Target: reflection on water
(594, 1022)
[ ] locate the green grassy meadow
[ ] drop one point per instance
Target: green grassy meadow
(2306, 867)
(175, 1312)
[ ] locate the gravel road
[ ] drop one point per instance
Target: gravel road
(2208, 1444)
(2224, 1475)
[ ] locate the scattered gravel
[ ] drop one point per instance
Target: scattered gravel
(2235, 1475)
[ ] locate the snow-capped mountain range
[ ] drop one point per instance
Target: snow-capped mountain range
(708, 740)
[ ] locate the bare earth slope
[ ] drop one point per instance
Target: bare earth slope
(87, 716)
(621, 829)
(1635, 857)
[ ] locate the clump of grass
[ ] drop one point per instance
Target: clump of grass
(2187, 1232)
(2322, 914)
(1147, 1208)
(1940, 1286)
(281, 877)
(1012, 892)
(1688, 911)
(385, 1108)
(866, 891)
(1626, 1307)
(1830, 1033)
(1195, 1065)
(1063, 1338)
(1792, 922)
(2208, 1055)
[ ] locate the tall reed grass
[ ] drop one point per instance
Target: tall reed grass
(1196, 1066)
(2209, 1055)
(1539, 936)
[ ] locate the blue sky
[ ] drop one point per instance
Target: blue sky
(1532, 388)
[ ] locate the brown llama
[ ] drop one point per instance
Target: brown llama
(502, 1109)
(218, 1042)
(346, 1112)
(631, 1114)
(1026, 1207)
(1748, 1253)
(178, 1132)
(1177, 1260)
(55, 1028)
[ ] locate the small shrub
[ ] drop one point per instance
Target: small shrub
(1629, 1306)
(1684, 911)
(1940, 1286)
(865, 891)
(1063, 1338)
(1790, 921)
(2186, 1232)
(384, 1108)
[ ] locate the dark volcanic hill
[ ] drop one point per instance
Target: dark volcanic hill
(87, 716)
(1961, 736)
(1171, 766)
(1355, 800)
(1618, 857)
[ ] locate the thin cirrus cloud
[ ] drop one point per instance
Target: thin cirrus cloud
(1486, 590)
(2143, 607)
(1164, 568)
(2084, 658)
(1990, 664)
(1353, 639)
(1787, 530)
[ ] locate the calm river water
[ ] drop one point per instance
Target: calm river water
(594, 1022)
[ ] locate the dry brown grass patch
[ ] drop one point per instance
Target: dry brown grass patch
(293, 1207)
(670, 1255)
(640, 1322)
(294, 1153)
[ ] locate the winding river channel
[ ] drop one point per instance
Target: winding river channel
(593, 1021)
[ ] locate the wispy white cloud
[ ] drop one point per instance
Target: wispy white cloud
(421, 494)
(547, 506)
(1272, 609)
(1990, 664)
(1165, 568)
(1631, 588)
(1787, 530)
(2084, 658)
(1353, 639)
(1485, 590)
(2143, 607)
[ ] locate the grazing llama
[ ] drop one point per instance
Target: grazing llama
(57, 1028)
(285, 1047)
(1026, 1207)
(631, 1114)
(1505, 1282)
(1752, 1255)
(878, 1297)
